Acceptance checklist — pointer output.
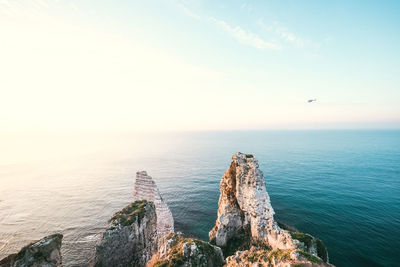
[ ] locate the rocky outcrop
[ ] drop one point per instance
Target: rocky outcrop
(131, 237)
(45, 252)
(141, 234)
(145, 188)
(244, 208)
(245, 227)
(310, 244)
(176, 250)
(257, 257)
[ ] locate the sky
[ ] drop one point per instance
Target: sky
(183, 65)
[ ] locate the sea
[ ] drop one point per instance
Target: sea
(342, 186)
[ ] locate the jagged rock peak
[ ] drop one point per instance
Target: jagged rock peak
(146, 189)
(45, 252)
(130, 238)
(245, 214)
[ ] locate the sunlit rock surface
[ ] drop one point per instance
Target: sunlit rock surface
(244, 208)
(43, 253)
(245, 228)
(145, 188)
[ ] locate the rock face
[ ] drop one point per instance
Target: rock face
(45, 252)
(246, 230)
(131, 237)
(176, 250)
(244, 209)
(145, 188)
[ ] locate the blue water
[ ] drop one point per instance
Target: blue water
(341, 186)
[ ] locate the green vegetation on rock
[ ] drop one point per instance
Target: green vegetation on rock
(279, 254)
(261, 255)
(176, 260)
(321, 250)
(302, 237)
(309, 257)
(241, 241)
(175, 256)
(284, 226)
(131, 213)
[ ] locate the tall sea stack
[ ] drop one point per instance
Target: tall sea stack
(146, 189)
(244, 209)
(245, 227)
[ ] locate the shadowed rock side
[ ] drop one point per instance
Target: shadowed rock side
(145, 188)
(245, 227)
(177, 251)
(131, 237)
(45, 252)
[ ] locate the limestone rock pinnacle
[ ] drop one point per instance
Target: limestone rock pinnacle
(245, 213)
(146, 189)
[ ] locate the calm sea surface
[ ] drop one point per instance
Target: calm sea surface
(341, 186)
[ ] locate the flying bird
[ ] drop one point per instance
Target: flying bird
(311, 100)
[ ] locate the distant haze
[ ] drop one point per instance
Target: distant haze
(198, 65)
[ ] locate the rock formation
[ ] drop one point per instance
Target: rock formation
(244, 208)
(131, 237)
(245, 232)
(176, 250)
(145, 188)
(45, 252)
(245, 226)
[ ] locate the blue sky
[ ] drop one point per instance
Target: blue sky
(199, 65)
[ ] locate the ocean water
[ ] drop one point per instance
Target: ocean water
(341, 186)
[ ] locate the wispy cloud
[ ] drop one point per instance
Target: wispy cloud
(32, 9)
(238, 33)
(283, 33)
(12, 8)
(245, 37)
(186, 10)
(246, 6)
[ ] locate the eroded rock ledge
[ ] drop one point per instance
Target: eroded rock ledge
(45, 252)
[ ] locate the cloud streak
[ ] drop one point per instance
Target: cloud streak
(239, 34)
(245, 37)
(15, 8)
(283, 33)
